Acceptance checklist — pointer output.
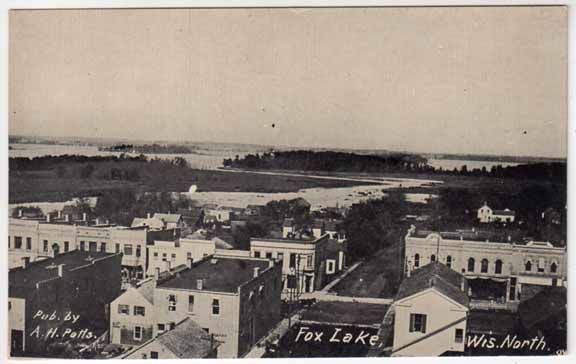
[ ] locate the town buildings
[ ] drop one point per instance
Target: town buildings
(430, 312)
(308, 263)
(496, 270)
(57, 299)
(237, 299)
(38, 238)
(164, 254)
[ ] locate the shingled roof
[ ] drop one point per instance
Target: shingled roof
(187, 340)
(438, 276)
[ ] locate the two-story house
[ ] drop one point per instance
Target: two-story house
(430, 312)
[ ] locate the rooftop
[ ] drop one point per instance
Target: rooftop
(219, 274)
(345, 313)
(543, 306)
(438, 276)
(168, 218)
(23, 280)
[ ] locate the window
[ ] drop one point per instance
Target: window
(309, 261)
(127, 249)
(471, 264)
(484, 266)
(171, 302)
(256, 254)
(28, 243)
(161, 328)
(188, 255)
(8, 241)
(280, 256)
(93, 246)
(138, 251)
(292, 260)
(82, 245)
(416, 260)
(103, 247)
(291, 281)
(18, 242)
(498, 267)
(66, 246)
(137, 333)
(144, 356)
(417, 322)
(139, 311)
(330, 266)
(216, 306)
(528, 266)
(553, 267)
(172, 325)
(153, 355)
(459, 336)
(541, 264)
(163, 257)
(190, 303)
(124, 309)
(449, 261)
(45, 245)
(269, 255)
(117, 248)
(173, 257)
(155, 255)
(433, 258)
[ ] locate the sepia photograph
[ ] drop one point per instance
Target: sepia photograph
(288, 182)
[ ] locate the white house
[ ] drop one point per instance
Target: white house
(430, 312)
(488, 215)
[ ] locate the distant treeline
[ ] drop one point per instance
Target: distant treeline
(148, 148)
(398, 162)
(49, 161)
(329, 161)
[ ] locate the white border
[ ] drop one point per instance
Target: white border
(52, 4)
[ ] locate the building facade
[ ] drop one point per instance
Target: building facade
(496, 270)
(236, 299)
(430, 312)
(304, 261)
(57, 299)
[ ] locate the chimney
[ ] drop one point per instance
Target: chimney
(61, 270)
(256, 271)
(189, 262)
(156, 273)
(167, 265)
(25, 262)
(84, 216)
(199, 284)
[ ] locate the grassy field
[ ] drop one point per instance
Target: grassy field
(47, 185)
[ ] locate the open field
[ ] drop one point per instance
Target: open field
(46, 185)
(345, 313)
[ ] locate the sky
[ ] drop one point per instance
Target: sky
(487, 80)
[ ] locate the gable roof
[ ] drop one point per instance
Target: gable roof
(549, 302)
(146, 290)
(168, 218)
(187, 340)
(438, 276)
